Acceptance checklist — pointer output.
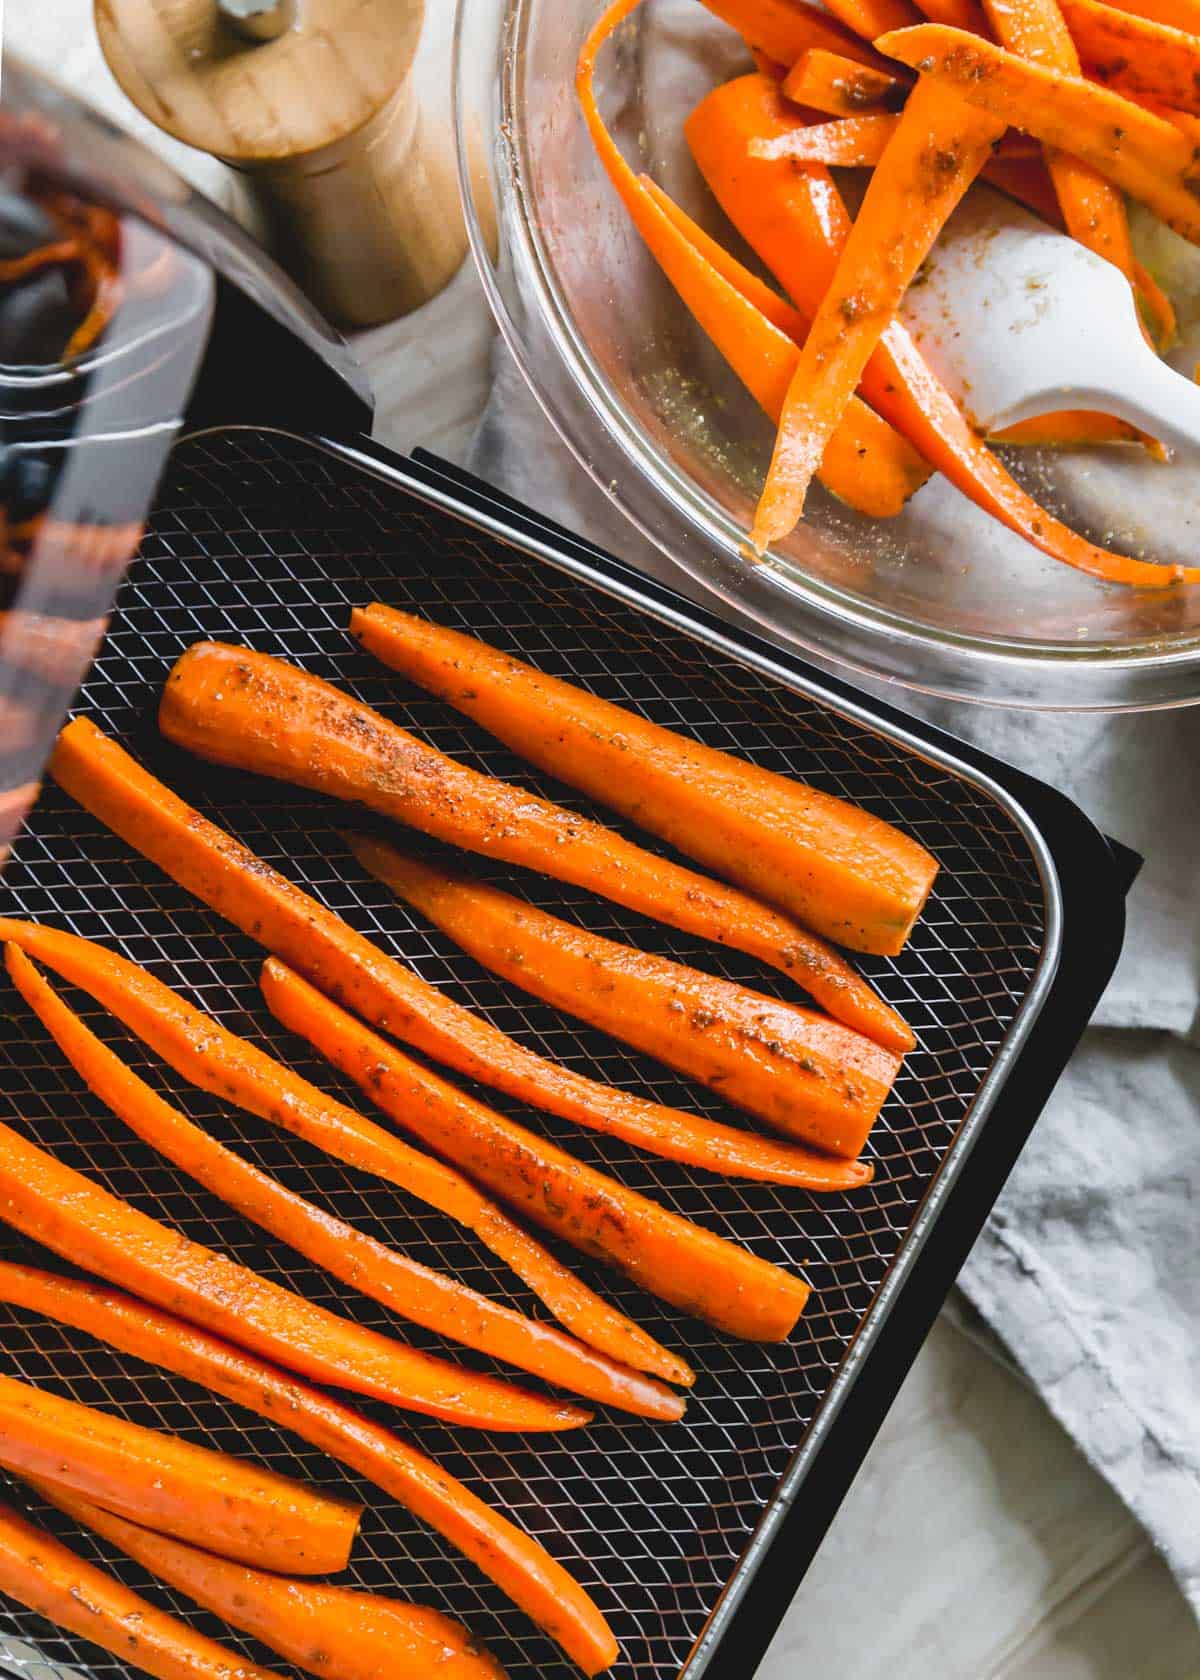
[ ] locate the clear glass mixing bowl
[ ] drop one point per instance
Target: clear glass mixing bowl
(940, 598)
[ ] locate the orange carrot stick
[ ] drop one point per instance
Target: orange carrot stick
(866, 464)
(796, 221)
(678, 1261)
(1142, 153)
(332, 1632)
(831, 82)
(230, 1506)
(518, 1564)
(959, 14)
(845, 143)
(938, 149)
(871, 18)
(62, 1209)
(238, 707)
(45, 1577)
(217, 1061)
(802, 1073)
(1176, 14)
(783, 29)
(833, 864)
(1072, 428)
(1135, 54)
(408, 1288)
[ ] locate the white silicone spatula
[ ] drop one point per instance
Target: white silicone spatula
(1020, 320)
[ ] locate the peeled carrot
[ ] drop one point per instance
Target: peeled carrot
(672, 1258)
(802, 1073)
(959, 14)
(783, 29)
(845, 143)
(425, 1296)
(518, 1564)
(61, 1208)
(1070, 428)
(190, 1040)
(867, 465)
(1142, 153)
(1135, 54)
(835, 866)
(230, 1506)
(272, 910)
(332, 1632)
(874, 17)
(234, 706)
(938, 149)
(822, 80)
(796, 221)
(48, 1578)
(1176, 14)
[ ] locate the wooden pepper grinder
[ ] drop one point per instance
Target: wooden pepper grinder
(313, 100)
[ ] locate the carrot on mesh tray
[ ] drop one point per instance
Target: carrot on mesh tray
(795, 220)
(518, 1564)
(826, 81)
(77, 1218)
(805, 1075)
(938, 149)
(216, 1060)
(1154, 60)
(1092, 208)
(227, 1504)
(783, 29)
(46, 1577)
(679, 1261)
(408, 1288)
(832, 863)
(248, 710)
(333, 1632)
(1139, 151)
(867, 464)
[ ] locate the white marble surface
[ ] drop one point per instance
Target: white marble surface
(976, 1543)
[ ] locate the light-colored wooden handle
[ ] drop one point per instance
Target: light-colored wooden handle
(358, 188)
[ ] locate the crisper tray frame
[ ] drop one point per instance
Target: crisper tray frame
(1069, 974)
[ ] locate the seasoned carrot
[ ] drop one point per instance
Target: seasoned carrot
(1135, 54)
(1093, 209)
(69, 1214)
(1176, 14)
(413, 1290)
(190, 1040)
(230, 1506)
(518, 1564)
(783, 29)
(1142, 153)
(821, 80)
(238, 707)
(959, 14)
(46, 1577)
(333, 1632)
(845, 143)
(938, 149)
(803, 1074)
(672, 1258)
(870, 18)
(832, 863)
(274, 911)
(867, 464)
(796, 221)
(1070, 428)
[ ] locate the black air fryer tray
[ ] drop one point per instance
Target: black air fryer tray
(691, 1537)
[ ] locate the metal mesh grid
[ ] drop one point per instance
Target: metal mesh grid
(270, 541)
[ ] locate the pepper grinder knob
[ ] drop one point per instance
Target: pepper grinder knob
(314, 103)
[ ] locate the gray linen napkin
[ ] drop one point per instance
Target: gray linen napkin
(1089, 1268)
